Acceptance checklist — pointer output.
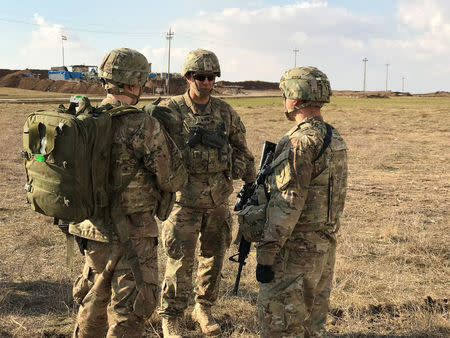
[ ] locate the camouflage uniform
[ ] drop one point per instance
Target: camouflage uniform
(139, 146)
(201, 208)
(307, 192)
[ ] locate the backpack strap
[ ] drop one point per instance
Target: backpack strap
(326, 141)
(119, 218)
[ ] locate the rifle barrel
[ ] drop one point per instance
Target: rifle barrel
(238, 279)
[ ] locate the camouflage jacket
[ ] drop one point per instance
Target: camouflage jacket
(140, 147)
(211, 164)
(306, 194)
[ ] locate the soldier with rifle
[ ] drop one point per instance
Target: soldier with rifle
(296, 226)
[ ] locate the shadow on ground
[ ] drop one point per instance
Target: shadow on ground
(364, 335)
(35, 298)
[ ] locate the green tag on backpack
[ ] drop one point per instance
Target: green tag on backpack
(40, 158)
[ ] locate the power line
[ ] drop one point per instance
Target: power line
(82, 29)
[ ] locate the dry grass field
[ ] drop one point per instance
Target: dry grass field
(392, 274)
(15, 93)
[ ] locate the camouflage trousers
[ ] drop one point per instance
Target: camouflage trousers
(296, 302)
(212, 227)
(115, 308)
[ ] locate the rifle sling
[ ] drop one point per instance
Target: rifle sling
(326, 141)
(121, 228)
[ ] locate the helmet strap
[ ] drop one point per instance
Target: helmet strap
(191, 78)
(115, 89)
(305, 104)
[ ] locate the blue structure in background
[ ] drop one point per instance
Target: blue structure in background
(64, 75)
(160, 75)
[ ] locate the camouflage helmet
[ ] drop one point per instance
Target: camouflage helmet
(125, 65)
(307, 84)
(201, 60)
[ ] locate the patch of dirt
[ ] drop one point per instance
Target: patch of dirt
(177, 86)
(428, 305)
(250, 85)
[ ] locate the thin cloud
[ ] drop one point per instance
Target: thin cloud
(258, 44)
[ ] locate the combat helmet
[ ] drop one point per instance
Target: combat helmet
(201, 61)
(124, 66)
(307, 84)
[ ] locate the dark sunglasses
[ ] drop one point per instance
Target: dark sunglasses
(202, 77)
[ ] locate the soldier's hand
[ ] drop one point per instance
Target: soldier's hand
(264, 273)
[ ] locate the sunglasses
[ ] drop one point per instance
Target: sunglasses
(202, 77)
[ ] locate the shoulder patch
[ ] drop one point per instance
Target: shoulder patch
(282, 169)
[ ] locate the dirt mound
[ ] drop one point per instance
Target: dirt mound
(177, 86)
(18, 79)
(436, 94)
(250, 85)
(12, 79)
(41, 73)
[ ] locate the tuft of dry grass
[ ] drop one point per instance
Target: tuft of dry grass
(392, 266)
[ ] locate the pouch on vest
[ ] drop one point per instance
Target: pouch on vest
(251, 222)
(165, 205)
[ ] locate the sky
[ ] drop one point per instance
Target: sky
(406, 42)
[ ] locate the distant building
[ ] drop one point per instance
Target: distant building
(58, 68)
(84, 68)
(64, 75)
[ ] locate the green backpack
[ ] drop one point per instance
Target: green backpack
(67, 155)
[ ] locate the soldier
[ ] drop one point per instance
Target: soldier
(118, 287)
(211, 136)
(307, 190)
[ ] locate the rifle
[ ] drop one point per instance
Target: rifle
(247, 196)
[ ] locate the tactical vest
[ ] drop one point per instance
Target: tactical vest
(327, 189)
(206, 148)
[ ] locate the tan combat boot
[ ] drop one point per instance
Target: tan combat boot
(202, 315)
(171, 328)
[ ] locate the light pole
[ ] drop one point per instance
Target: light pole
(63, 38)
(169, 37)
(387, 75)
(295, 56)
(364, 82)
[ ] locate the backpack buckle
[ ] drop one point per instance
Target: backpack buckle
(24, 154)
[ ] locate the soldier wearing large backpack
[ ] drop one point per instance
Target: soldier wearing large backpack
(117, 290)
(211, 137)
(306, 191)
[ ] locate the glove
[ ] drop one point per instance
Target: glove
(264, 273)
